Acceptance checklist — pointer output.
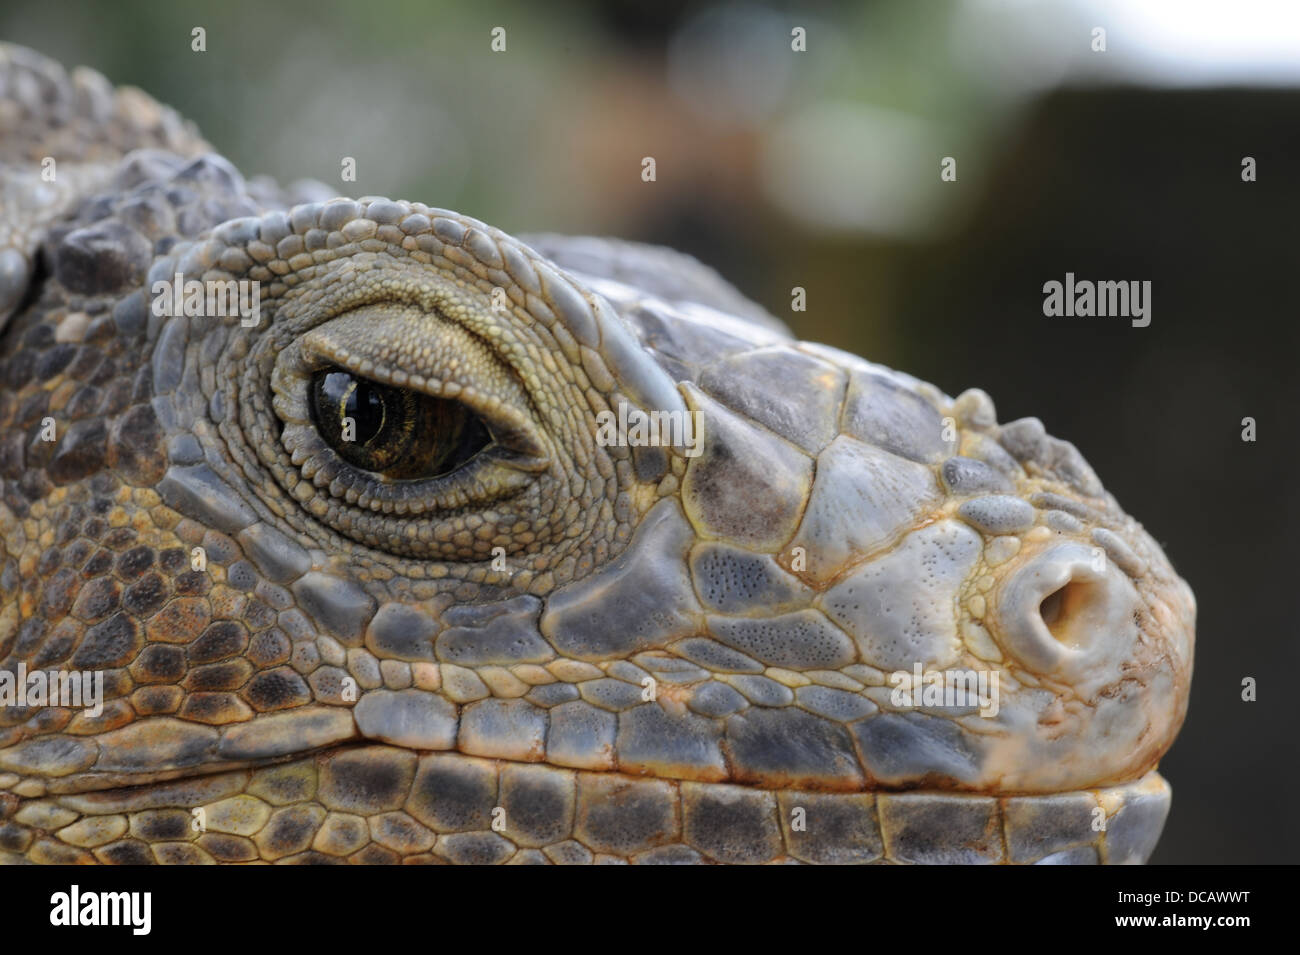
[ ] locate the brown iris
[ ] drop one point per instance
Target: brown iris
(396, 432)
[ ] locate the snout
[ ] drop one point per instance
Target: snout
(1114, 646)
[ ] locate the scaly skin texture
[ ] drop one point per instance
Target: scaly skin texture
(566, 649)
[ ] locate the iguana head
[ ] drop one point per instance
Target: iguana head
(366, 510)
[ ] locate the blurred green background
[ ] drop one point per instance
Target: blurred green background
(820, 169)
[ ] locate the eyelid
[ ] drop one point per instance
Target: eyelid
(404, 347)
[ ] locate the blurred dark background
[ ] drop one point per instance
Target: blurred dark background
(820, 169)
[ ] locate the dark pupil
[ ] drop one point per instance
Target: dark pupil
(392, 431)
(362, 401)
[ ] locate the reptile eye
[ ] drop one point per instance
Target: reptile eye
(396, 432)
(408, 433)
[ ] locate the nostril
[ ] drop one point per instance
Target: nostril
(1058, 613)
(1065, 609)
(1050, 609)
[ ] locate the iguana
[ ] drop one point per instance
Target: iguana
(387, 536)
